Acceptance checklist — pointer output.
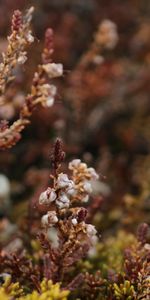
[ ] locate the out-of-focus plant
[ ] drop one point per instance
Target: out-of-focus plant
(47, 290)
(41, 91)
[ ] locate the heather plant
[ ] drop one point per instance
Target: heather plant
(66, 235)
(55, 250)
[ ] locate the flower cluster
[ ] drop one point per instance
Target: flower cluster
(64, 223)
(60, 193)
(82, 178)
(65, 192)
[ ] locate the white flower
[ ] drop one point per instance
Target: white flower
(87, 187)
(147, 246)
(52, 89)
(98, 59)
(49, 92)
(63, 181)
(53, 70)
(52, 235)
(63, 198)
(71, 191)
(44, 221)
(93, 173)
(30, 37)
(74, 221)
(22, 58)
(109, 35)
(49, 219)
(62, 205)
(83, 165)
(47, 197)
(85, 199)
(48, 89)
(94, 239)
(45, 87)
(91, 231)
(74, 164)
(63, 201)
(50, 101)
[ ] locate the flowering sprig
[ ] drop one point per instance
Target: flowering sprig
(18, 40)
(68, 236)
(105, 38)
(42, 92)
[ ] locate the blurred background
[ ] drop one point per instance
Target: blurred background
(102, 110)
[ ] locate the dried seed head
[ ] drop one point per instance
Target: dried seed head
(57, 155)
